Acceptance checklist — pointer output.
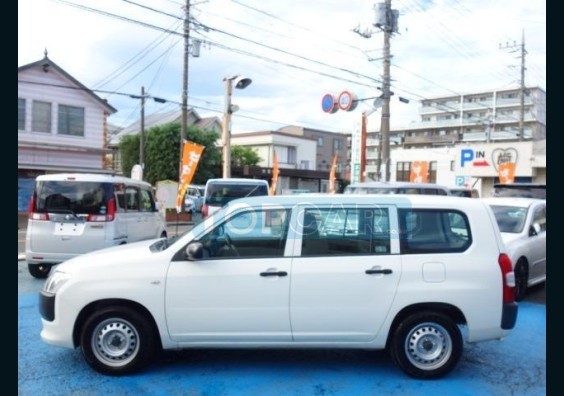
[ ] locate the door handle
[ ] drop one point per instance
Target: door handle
(379, 271)
(274, 273)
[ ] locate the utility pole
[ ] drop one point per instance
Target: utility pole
(385, 120)
(363, 148)
(142, 134)
(523, 51)
(522, 90)
(184, 120)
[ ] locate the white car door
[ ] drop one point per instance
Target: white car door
(344, 279)
(236, 293)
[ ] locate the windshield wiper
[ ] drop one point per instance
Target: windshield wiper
(252, 191)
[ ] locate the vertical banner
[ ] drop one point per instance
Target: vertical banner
(506, 172)
(332, 175)
(191, 153)
(419, 171)
(275, 172)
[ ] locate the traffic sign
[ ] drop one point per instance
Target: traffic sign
(328, 104)
(347, 101)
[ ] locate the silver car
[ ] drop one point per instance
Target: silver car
(522, 222)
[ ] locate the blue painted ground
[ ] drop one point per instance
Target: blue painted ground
(514, 366)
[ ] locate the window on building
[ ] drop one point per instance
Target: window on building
(292, 155)
(432, 176)
(41, 117)
(337, 144)
(320, 141)
(21, 114)
(71, 120)
(403, 169)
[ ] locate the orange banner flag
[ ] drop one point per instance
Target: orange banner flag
(418, 172)
(332, 175)
(275, 172)
(191, 153)
(506, 172)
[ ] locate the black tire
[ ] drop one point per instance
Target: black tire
(426, 345)
(117, 341)
(39, 271)
(521, 279)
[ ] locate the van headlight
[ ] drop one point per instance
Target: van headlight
(55, 281)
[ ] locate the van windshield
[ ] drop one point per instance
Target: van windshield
(221, 194)
(72, 197)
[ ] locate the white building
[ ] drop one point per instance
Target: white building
(463, 138)
(296, 159)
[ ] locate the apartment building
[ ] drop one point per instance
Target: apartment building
(451, 129)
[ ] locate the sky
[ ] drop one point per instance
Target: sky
(295, 53)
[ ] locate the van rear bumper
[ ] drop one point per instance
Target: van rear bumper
(509, 316)
(47, 258)
(33, 257)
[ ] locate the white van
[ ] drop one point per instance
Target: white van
(396, 188)
(71, 214)
(219, 192)
(417, 275)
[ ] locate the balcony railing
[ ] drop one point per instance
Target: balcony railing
(420, 139)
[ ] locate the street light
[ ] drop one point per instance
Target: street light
(240, 83)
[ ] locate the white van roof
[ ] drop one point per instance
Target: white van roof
(89, 177)
(232, 180)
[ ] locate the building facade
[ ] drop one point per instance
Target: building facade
(463, 138)
(295, 154)
(62, 126)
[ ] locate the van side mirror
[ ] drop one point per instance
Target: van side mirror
(534, 229)
(195, 251)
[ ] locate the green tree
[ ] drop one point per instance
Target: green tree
(162, 153)
(241, 156)
(129, 153)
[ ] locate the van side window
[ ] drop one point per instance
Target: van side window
(119, 190)
(131, 198)
(433, 231)
(249, 234)
(346, 231)
(147, 202)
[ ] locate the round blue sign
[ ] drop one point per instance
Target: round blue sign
(328, 104)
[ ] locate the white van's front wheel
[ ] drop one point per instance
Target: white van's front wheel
(117, 340)
(39, 271)
(426, 345)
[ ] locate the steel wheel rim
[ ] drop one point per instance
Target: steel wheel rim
(428, 346)
(115, 342)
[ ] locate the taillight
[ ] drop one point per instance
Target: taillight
(508, 278)
(31, 212)
(110, 215)
(204, 211)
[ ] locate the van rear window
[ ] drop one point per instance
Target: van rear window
(221, 193)
(433, 231)
(72, 197)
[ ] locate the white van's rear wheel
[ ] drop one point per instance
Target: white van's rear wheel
(40, 271)
(426, 345)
